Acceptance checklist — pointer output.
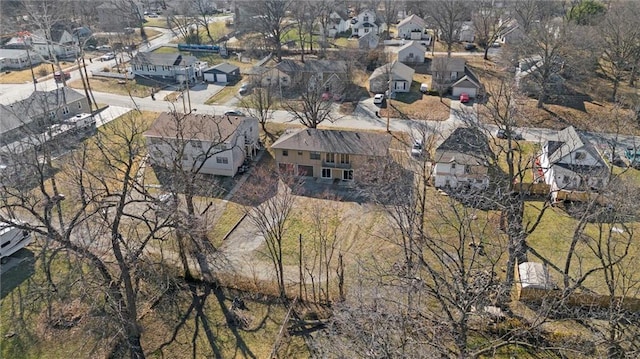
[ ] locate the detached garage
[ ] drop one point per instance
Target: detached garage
(222, 73)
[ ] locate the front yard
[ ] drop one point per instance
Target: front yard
(418, 106)
(114, 86)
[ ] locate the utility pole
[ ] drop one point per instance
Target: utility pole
(188, 93)
(390, 69)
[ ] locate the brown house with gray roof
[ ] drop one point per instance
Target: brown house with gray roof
(329, 154)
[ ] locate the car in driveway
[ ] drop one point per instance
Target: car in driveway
(464, 97)
(378, 99)
(244, 88)
(104, 48)
(504, 134)
(108, 56)
(61, 76)
(233, 113)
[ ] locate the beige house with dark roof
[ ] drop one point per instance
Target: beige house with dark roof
(216, 145)
(453, 73)
(329, 154)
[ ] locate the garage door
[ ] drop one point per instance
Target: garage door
(472, 91)
(221, 78)
(210, 77)
(305, 171)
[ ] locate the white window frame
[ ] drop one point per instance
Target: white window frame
(322, 173)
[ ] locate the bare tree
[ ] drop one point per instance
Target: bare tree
(303, 14)
(260, 104)
(447, 16)
(489, 24)
(621, 39)
(311, 107)
(202, 10)
(389, 15)
(269, 18)
(271, 217)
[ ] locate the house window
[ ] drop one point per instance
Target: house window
(299, 153)
(580, 156)
(411, 55)
(80, 105)
(330, 158)
(565, 179)
(196, 144)
(347, 175)
(366, 18)
(454, 75)
(153, 68)
(52, 115)
(366, 30)
(65, 110)
(467, 169)
(326, 173)
(222, 160)
(314, 155)
(344, 158)
(453, 166)
(285, 153)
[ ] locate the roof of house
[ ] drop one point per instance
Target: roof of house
(398, 69)
(312, 66)
(569, 140)
(12, 53)
(468, 76)
(37, 104)
(465, 145)
(448, 64)
(342, 13)
(150, 58)
(369, 38)
(412, 19)
(334, 141)
(412, 44)
(196, 127)
(224, 67)
(56, 35)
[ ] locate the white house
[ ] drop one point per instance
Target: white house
(466, 32)
(462, 160)
(153, 67)
(411, 53)
(369, 41)
(14, 59)
(62, 44)
(572, 164)
(338, 22)
(219, 144)
(366, 22)
(411, 28)
(400, 75)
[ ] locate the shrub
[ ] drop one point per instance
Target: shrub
(43, 71)
(106, 69)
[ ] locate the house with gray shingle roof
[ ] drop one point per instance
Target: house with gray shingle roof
(572, 163)
(149, 67)
(329, 154)
(39, 111)
(411, 28)
(400, 74)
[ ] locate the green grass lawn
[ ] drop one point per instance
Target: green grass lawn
(156, 22)
(166, 50)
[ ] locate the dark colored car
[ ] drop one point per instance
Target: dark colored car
(502, 134)
(469, 47)
(233, 113)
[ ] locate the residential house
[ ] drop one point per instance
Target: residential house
(215, 145)
(400, 75)
(461, 161)
(222, 73)
(411, 53)
(331, 76)
(369, 41)
(512, 33)
(452, 73)
(62, 43)
(366, 22)
(39, 111)
(572, 164)
(466, 32)
(153, 67)
(337, 23)
(14, 59)
(527, 77)
(411, 28)
(329, 154)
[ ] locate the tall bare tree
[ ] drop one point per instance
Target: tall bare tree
(260, 103)
(269, 18)
(489, 23)
(447, 16)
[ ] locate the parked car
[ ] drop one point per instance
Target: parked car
(464, 97)
(503, 134)
(59, 77)
(152, 15)
(108, 56)
(378, 99)
(244, 89)
(104, 48)
(416, 149)
(469, 46)
(233, 113)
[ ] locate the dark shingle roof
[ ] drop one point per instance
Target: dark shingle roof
(150, 58)
(196, 127)
(449, 64)
(334, 141)
(224, 67)
(312, 66)
(466, 140)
